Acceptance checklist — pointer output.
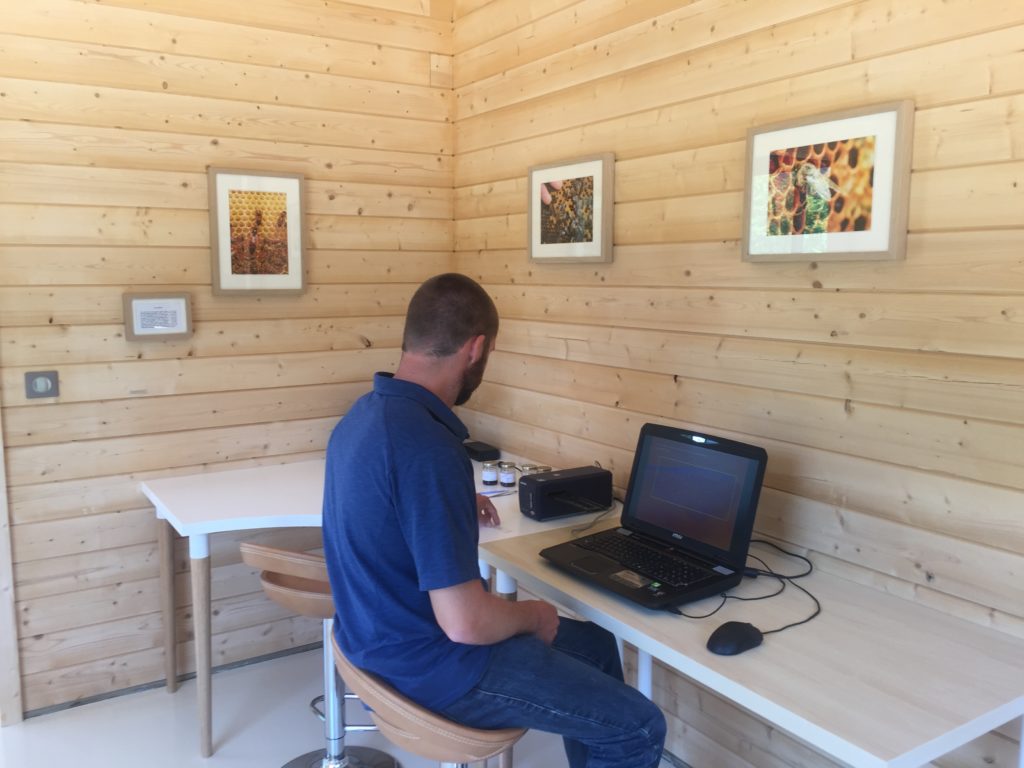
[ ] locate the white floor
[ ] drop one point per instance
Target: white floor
(261, 720)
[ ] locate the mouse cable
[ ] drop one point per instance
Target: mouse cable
(725, 597)
(790, 580)
(817, 610)
(769, 572)
(779, 577)
(677, 612)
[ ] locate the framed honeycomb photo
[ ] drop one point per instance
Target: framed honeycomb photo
(832, 187)
(256, 232)
(570, 210)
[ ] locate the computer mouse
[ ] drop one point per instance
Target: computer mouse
(734, 637)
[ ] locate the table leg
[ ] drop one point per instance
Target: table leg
(644, 666)
(505, 586)
(1020, 747)
(485, 569)
(199, 554)
(165, 542)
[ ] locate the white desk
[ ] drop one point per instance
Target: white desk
(277, 496)
(875, 681)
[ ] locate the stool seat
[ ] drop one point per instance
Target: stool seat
(416, 728)
(298, 581)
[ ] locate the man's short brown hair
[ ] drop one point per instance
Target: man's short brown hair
(445, 312)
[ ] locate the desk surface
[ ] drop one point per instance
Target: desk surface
(272, 496)
(283, 495)
(875, 680)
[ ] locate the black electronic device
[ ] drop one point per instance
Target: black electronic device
(734, 637)
(479, 451)
(564, 492)
(686, 522)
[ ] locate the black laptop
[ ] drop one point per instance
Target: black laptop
(686, 522)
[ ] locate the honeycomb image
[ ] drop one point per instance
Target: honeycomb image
(821, 187)
(259, 232)
(569, 217)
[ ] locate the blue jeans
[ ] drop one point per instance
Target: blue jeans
(573, 688)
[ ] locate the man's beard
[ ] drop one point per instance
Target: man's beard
(471, 379)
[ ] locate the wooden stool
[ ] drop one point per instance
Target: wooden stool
(298, 581)
(419, 730)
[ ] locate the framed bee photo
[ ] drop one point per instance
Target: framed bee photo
(570, 207)
(256, 232)
(831, 187)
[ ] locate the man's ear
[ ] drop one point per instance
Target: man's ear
(477, 348)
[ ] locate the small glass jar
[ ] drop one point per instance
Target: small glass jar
(507, 474)
(489, 473)
(543, 468)
(528, 469)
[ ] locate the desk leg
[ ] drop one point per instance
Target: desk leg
(505, 586)
(485, 570)
(644, 666)
(165, 542)
(199, 554)
(1020, 748)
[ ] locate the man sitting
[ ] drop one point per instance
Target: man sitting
(401, 528)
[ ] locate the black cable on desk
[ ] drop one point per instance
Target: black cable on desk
(783, 580)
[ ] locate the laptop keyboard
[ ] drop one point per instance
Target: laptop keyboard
(647, 561)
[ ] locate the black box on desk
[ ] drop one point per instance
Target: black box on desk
(565, 492)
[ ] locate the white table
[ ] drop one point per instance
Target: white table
(277, 496)
(875, 681)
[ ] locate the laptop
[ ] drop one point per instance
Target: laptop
(686, 522)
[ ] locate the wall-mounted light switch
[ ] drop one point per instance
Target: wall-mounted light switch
(41, 384)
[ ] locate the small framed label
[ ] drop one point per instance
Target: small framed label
(162, 317)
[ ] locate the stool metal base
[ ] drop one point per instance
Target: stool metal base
(356, 757)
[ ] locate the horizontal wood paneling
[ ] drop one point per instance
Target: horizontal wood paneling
(986, 65)
(167, 73)
(152, 415)
(971, 324)
(41, 345)
(112, 113)
(339, 21)
(56, 185)
(936, 262)
(88, 22)
(944, 74)
(48, 142)
(106, 107)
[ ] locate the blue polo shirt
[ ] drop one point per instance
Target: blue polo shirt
(400, 519)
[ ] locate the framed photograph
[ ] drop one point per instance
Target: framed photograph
(159, 316)
(831, 187)
(256, 231)
(570, 210)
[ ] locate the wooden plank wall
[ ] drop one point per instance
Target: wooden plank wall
(110, 114)
(890, 396)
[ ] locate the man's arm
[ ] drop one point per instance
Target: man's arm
(470, 615)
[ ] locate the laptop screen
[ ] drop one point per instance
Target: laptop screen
(695, 490)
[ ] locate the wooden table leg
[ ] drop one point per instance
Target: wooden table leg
(165, 542)
(200, 568)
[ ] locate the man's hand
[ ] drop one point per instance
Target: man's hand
(468, 614)
(547, 620)
(487, 515)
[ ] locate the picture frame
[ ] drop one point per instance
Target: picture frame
(256, 232)
(570, 210)
(857, 210)
(157, 316)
